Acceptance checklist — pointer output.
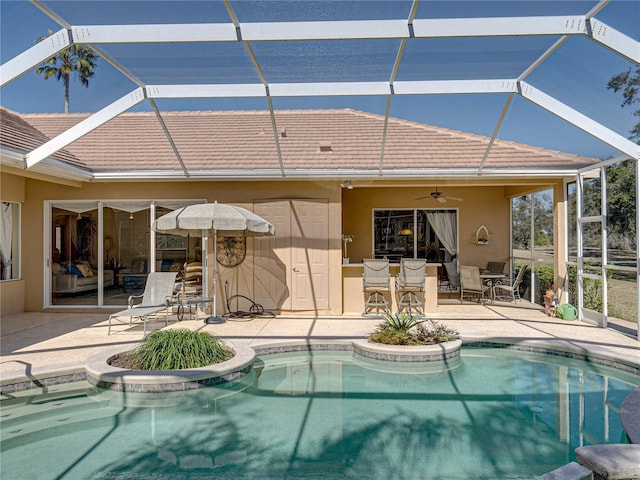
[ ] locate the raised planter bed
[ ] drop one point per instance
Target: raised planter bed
(103, 375)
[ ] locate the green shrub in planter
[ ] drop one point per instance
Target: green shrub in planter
(405, 329)
(179, 349)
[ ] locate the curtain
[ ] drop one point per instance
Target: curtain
(444, 225)
(129, 207)
(6, 233)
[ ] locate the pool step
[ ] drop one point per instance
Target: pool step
(570, 471)
(611, 462)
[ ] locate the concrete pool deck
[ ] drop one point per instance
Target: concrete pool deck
(43, 345)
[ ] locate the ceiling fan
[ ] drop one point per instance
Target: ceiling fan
(440, 197)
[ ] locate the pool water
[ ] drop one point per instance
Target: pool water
(494, 413)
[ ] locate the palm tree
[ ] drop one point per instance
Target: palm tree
(77, 58)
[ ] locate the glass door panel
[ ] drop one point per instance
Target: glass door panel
(126, 231)
(74, 254)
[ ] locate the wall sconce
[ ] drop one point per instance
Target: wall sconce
(347, 184)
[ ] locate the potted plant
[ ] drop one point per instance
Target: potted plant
(432, 251)
(346, 239)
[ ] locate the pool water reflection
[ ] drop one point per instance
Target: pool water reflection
(327, 415)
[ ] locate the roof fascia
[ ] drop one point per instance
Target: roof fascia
(85, 126)
(52, 170)
(605, 163)
(333, 174)
(579, 120)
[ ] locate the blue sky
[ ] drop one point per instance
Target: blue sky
(576, 74)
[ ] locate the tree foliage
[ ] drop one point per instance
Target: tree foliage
(543, 220)
(621, 203)
(629, 84)
(77, 58)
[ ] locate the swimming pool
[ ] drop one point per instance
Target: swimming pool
(495, 413)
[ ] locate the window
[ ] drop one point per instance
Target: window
(409, 233)
(10, 241)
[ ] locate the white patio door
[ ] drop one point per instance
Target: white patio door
(291, 268)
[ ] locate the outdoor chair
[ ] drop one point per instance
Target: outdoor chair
(410, 282)
(512, 291)
(157, 296)
(471, 283)
(375, 283)
(192, 279)
(495, 267)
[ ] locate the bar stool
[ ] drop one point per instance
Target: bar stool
(375, 283)
(410, 282)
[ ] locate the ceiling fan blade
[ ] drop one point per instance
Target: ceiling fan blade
(422, 198)
(442, 199)
(455, 198)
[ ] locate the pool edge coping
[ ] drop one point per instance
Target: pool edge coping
(567, 349)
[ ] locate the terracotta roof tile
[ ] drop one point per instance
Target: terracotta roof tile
(18, 135)
(220, 140)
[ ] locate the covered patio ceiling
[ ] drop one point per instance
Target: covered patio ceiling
(521, 71)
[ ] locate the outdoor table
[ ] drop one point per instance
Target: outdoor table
(196, 302)
(491, 280)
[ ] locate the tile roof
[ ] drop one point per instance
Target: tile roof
(309, 139)
(20, 136)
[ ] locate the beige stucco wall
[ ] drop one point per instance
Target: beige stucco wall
(350, 211)
(237, 193)
(481, 205)
(12, 291)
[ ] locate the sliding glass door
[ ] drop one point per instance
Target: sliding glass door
(101, 252)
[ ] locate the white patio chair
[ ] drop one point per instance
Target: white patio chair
(410, 282)
(157, 296)
(513, 290)
(376, 282)
(471, 283)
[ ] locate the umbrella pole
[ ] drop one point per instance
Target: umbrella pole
(213, 318)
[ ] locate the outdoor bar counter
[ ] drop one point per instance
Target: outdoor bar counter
(354, 297)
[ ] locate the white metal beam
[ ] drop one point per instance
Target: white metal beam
(87, 125)
(164, 33)
(499, 27)
(249, 90)
(579, 120)
(40, 52)
(328, 89)
(613, 39)
(331, 30)
(433, 87)
(246, 90)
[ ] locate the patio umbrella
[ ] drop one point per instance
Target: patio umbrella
(216, 219)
